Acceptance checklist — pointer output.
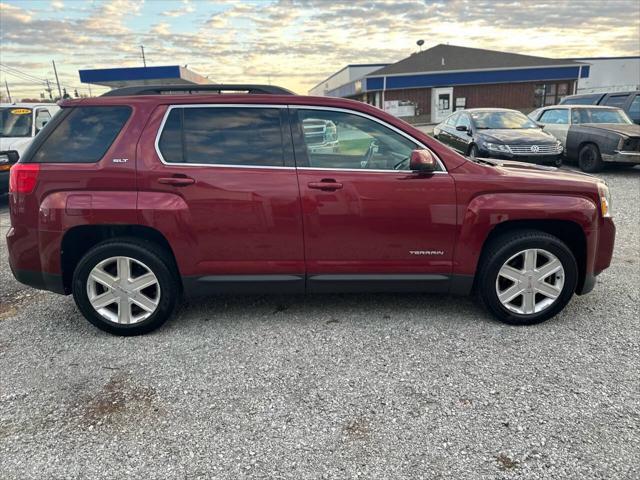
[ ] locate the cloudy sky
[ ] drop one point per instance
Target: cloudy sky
(293, 43)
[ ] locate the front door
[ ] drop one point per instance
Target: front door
(221, 180)
(370, 222)
(556, 122)
(441, 103)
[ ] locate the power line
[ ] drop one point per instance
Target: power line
(23, 74)
(24, 79)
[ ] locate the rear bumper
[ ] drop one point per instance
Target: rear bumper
(622, 157)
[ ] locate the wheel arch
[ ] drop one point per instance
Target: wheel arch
(78, 240)
(568, 231)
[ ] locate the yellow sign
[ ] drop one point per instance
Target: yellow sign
(21, 111)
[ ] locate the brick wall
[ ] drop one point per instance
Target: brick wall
(518, 96)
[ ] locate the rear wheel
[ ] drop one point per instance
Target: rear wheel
(527, 277)
(126, 287)
(589, 159)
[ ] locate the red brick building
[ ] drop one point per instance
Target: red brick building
(446, 78)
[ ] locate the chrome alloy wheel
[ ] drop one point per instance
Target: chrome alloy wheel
(123, 290)
(530, 281)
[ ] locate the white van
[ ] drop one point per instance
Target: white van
(19, 123)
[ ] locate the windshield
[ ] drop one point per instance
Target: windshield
(599, 115)
(499, 119)
(15, 122)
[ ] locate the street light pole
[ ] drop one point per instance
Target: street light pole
(57, 81)
(8, 92)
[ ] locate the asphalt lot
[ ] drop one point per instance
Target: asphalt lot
(353, 386)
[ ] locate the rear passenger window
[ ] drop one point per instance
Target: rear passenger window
(223, 136)
(83, 136)
(616, 101)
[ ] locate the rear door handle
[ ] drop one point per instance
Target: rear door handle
(177, 181)
(327, 185)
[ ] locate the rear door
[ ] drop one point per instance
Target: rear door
(221, 185)
(369, 222)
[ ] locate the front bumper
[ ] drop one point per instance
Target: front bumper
(622, 157)
(550, 159)
(4, 181)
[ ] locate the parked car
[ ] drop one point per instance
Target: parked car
(321, 135)
(130, 200)
(592, 136)
(19, 123)
(499, 133)
(628, 101)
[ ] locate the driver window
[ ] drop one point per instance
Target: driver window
(344, 140)
(463, 120)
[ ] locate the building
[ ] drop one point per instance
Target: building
(445, 78)
(126, 77)
(610, 74)
(346, 82)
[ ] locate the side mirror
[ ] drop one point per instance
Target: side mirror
(423, 161)
(462, 128)
(7, 159)
(541, 125)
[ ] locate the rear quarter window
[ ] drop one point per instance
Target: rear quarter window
(83, 136)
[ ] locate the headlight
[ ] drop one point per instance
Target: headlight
(4, 158)
(605, 200)
(497, 147)
(559, 146)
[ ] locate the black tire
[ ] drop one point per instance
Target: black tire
(153, 257)
(557, 162)
(589, 158)
(504, 247)
(473, 151)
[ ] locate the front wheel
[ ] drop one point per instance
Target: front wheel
(589, 159)
(527, 277)
(126, 287)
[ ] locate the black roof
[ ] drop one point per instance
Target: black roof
(442, 58)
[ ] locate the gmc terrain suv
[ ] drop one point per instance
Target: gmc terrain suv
(130, 200)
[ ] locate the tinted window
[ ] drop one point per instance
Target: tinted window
(343, 140)
(83, 136)
(451, 121)
(555, 116)
(223, 136)
(582, 100)
(616, 101)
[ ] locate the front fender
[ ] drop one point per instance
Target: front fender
(487, 211)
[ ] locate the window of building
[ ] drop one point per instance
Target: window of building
(550, 93)
(223, 136)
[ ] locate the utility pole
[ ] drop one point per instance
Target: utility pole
(49, 90)
(57, 81)
(144, 60)
(8, 92)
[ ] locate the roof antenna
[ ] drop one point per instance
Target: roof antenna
(420, 43)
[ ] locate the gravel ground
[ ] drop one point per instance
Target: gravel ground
(358, 386)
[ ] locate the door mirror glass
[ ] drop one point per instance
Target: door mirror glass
(423, 160)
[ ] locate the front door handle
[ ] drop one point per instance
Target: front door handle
(326, 185)
(177, 181)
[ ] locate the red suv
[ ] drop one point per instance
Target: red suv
(130, 200)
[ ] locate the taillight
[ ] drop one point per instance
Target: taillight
(23, 177)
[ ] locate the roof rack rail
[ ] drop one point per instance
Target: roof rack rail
(196, 88)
